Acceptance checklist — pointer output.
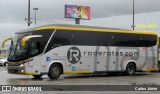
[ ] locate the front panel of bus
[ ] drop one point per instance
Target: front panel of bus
(27, 59)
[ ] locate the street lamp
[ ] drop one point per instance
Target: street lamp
(35, 13)
(133, 16)
(29, 21)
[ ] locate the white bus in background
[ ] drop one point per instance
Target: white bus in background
(75, 49)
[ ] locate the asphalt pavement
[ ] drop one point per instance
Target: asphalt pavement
(143, 78)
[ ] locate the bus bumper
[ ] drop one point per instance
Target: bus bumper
(18, 69)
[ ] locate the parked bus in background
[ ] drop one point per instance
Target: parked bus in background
(76, 49)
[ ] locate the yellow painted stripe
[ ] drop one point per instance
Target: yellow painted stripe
(77, 72)
(96, 30)
(30, 73)
(152, 69)
(157, 40)
(23, 41)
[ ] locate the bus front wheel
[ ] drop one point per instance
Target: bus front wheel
(130, 69)
(54, 71)
(5, 64)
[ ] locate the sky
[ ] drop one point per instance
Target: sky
(106, 13)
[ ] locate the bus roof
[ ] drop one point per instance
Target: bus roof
(84, 28)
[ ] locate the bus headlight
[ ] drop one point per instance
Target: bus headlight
(21, 65)
(22, 70)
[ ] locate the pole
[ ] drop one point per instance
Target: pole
(77, 21)
(35, 17)
(35, 9)
(29, 13)
(133, 16)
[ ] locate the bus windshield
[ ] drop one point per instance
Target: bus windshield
(17, 52)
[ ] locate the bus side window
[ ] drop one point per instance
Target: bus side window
(34, 48)
(60, 42)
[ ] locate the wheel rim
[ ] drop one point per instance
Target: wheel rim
(55, 71)
(130, 69)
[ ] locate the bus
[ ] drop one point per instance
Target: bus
(159, 54)
(58, 49)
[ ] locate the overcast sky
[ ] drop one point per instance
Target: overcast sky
(14, 12)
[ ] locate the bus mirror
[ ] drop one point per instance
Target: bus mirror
(3, 42)
(26, 38)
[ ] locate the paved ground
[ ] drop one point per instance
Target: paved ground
(103, 79)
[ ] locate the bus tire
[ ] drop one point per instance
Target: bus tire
(130, 69)
(55, 71)
(5, 64)
(37, 76)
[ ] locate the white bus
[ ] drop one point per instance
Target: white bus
(75, 49)
(159, 54)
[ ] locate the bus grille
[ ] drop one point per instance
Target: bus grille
(13, 70)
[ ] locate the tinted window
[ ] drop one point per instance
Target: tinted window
(133, 40)
(42, 40)
(60, 38)
(34, 48)
(92, 38)
(113, 39)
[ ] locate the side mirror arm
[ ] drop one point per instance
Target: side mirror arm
(23, 41)
(3, 42)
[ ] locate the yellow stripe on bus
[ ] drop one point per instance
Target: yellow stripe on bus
(96, 30)
(30, 73)
(152, 69)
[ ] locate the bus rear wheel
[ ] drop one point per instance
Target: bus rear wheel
(55, 71)
(130, 69)
(37, 76)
